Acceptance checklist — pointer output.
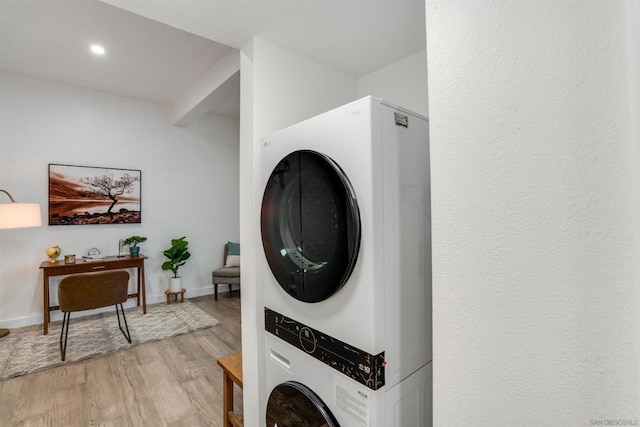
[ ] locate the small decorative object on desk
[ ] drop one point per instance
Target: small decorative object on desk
(53, 253)
(94, 255)
(132, 242)
(70, 259)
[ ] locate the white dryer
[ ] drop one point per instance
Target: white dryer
(306, 392)
(346, 231)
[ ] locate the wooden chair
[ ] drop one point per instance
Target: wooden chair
(80, 292)
(224, 274)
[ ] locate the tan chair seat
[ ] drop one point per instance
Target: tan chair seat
(79, 292)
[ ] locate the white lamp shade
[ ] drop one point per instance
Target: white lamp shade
(18, 215)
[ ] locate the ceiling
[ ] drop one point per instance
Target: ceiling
(158, 52)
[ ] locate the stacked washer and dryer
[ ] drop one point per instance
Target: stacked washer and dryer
(346, 231)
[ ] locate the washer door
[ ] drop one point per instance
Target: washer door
(292, 404)
(310, 226)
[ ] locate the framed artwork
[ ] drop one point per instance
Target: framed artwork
(80, 195)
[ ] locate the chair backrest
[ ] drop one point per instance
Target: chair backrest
(226, 252)
(93, 290)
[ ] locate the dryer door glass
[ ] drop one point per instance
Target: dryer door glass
(310, 226)
(292, 404)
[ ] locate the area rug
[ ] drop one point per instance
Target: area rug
(26, 350)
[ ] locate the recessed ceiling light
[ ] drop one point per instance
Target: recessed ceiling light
(97, 49)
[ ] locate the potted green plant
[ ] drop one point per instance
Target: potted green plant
(178, 254)
(132, 242)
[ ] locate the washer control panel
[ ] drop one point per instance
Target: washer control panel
(359, 365)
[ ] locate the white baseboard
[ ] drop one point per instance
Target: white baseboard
(36, 319)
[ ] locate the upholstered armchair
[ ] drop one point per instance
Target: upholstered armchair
(229, 273)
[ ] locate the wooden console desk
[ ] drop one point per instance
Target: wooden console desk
(82, 266)
(231, 374)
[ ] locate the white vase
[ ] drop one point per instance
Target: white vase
(175, 284)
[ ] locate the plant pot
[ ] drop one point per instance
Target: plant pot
(175, 284)
(134, 250)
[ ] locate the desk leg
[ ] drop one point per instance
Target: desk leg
(141, 283)
(138, 286)
(45, 302)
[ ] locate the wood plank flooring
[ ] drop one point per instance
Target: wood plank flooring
(174, 382)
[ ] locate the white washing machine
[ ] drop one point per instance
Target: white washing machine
(305, 392)
(346, 232)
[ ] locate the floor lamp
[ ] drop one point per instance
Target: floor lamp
(18, 215)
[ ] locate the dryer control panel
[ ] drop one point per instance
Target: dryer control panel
(367, 369)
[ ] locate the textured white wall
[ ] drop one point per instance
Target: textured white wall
(633, 48)
(189, 184)
(534, 296)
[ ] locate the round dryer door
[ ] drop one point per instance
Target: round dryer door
(310, 226)
(292, 404)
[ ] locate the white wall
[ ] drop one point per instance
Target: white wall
(189, 184)
(633, 36)
(279, 88)
(403, 83)
(535, 303)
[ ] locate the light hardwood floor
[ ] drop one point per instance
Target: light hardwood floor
(174, 382)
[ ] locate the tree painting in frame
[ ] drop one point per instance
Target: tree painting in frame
(81, 195)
